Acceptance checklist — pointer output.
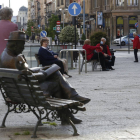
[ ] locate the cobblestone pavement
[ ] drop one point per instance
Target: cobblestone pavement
(112, 114)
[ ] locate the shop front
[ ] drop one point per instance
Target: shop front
(130, 25)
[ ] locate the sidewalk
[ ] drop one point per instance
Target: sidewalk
(112, 114)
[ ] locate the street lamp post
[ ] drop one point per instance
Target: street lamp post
(9, 3)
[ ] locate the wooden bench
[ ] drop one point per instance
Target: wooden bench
(94, 63)
(22, 94)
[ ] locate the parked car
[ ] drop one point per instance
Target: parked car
(124, 40)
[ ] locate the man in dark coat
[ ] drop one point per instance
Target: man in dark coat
(52, 85)
(110, 59)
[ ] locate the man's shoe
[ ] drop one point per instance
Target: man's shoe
(112, 68)
(105, 69)
(81, 99)
(135, 61)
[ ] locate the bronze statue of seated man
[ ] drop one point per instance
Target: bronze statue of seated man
(51, 81)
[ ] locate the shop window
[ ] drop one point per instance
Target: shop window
(119, 32)
(119, 27)
(132, 20)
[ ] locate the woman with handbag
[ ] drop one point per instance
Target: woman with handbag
(93, 54)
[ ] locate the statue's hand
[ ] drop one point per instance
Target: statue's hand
(21, 63)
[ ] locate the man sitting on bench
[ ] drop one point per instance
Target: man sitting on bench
(54, 85)
(110, 59)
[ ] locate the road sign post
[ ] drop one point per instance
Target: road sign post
(120, 35)
(74, 10)
(43, 33)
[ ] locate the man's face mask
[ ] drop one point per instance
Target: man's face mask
(101, 42)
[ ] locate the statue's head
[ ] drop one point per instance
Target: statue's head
(16, 41)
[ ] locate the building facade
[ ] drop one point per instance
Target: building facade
(23, 17)
(119, 16)
(50, 8)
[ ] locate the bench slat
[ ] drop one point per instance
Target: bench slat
(58, 104)
(61, 102)
(66, 100)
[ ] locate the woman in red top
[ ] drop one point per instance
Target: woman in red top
(91, 55)
(136, 45)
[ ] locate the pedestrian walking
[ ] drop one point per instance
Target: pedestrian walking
(38, 38)
(55, 39)
(27, 38)
(6, 26)
(136, 45)
(33, 37)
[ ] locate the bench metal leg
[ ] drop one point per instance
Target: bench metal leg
(4, 119)
(74, 128)
(41, 124)
(35, 129)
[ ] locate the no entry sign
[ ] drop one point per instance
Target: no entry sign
(58, 22)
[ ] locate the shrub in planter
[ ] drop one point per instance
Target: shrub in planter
(67, 34)
(83, 38)
(96, 38)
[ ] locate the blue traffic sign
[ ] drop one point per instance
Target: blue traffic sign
(74, 9)
(136, 24)
(0, 6)
(43, 34)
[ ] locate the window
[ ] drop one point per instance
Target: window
(95, 3)
(113, 2)
(58, 4)
(132, 2)
(105, 2)
(67, 3)
(62, 2)
(120, 2)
